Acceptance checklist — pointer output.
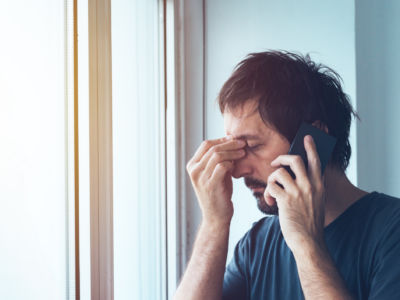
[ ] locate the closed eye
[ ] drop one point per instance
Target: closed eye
(253, 147)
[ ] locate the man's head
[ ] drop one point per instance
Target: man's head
(268, 95)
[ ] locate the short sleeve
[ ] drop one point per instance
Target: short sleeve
(385, 283)
(236, 273)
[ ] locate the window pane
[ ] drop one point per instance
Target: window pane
(34, 221)
(138, 149)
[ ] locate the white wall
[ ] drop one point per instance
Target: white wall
(378, 76)
(235, 28)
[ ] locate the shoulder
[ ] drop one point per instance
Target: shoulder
(383, 208)
(380, 220)
(385, 199)
(387, 211)
(373, 214)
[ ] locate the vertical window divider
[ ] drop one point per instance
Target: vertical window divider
(101, 166)
(190, 99)
(76, 150)
(72, 170)
(163, 96)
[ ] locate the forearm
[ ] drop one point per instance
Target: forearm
(318, 274)
(203, 277)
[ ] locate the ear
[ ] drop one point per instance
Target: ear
(321, 126)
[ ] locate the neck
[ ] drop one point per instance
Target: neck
(340, 193)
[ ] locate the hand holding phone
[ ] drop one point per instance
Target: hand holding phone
(324, 142)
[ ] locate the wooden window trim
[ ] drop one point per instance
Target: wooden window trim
(101, 167)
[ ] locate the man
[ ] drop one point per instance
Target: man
(326, 238)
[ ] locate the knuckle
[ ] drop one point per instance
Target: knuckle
(270, 179)
(206, 144)
(188, 166)
(308, 189)
(315, 160)
(227, 164)
(194, 174)
(215, 148)
(297, 159)
(267, 190)
(203, 181)
(281, 171)
(217, 156)
(296, 193)
(223, 166)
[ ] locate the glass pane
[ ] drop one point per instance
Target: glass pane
(137, 135)
(34, 221)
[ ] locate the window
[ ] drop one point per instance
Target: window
(36, 155)
(138, 150)
(83, 177)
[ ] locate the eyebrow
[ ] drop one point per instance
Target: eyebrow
(248, 137)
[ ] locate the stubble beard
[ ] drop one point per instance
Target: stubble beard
(264, 207)
(261, 203)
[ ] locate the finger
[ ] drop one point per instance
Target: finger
(218, 157)
(283, 177)
(275, 192)
(233, 144)
(296, 164)
(205, 145)
(229, 145)
(268, 198)
(314, 163)
(221, 170)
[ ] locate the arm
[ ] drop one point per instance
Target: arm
(204, 274)
(210, 173)
(301, 216)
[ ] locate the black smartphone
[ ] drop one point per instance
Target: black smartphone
(324, 142)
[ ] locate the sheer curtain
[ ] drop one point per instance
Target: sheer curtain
(138, 150)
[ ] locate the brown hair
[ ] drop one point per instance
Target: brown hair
(290, 88)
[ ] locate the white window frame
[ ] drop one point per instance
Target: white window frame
(190, 124)
(183, 61)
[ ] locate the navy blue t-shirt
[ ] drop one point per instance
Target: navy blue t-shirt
(364, 243)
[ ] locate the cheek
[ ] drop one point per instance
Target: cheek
(262, 165)
(266, 157)
(262, 162)
(275, 151)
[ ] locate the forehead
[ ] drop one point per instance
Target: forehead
(245, 123)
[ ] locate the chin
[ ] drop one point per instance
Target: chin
(264, 207)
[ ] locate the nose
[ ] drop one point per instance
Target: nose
(241, 168)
